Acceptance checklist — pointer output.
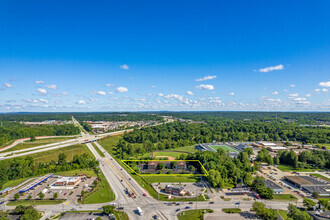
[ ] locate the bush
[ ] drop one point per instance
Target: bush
(232, 210)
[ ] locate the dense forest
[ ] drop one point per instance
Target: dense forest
(14, 130)
(21, 167)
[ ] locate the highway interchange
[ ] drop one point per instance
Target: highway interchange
(120, 180)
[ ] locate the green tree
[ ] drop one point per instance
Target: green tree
(295, 213)
(16, 196)
(41, 195)
(29, 197)
(315, 195)
(108, 209)
(308, 203)
(160, 166)
(55, 196)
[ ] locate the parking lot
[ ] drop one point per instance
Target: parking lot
(192, 188)
(63, 192)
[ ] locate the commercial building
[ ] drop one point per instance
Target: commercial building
(175, 190)
(301, 181)
(321, 190)
(67, 181)
(6, 190)
(276, 188)
(262, 144)
(35, 183)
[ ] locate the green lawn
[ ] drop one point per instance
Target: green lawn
(76, 172)
(190, 149)
(171, 179)
(193, 214)
(224, 147)
(121, 215)
(35, 202)
(284, 197)
(98, 150)
(70, 151)
(320, 176)
(283, 213)
(109, 143)
(100, 194)
(287, 168)
(39, 142)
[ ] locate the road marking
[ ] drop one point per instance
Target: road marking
(67, 203)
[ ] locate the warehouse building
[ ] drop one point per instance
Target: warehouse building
(321, 190)
(301, 181)
(276, 188)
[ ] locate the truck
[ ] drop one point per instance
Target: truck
(139, 210)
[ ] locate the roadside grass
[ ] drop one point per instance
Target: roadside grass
(70, 151)
(232, 210)
(284, 197)
(109, 143)
(225, 199)
(121, 215)
(283, 213)
(39, 142)
(98, 150)
(193, 214)
(320, 176)
(171, 179)
(287, 168)
(35, 202)
(6, 144)
(12, 183)
(88, 172)
(102, 193)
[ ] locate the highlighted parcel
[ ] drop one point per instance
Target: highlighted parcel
(166, 167)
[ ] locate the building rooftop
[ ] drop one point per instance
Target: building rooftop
(322, 190)
(272, 185)
(304, 180)
(175, 187)
(5, 190)
(68, 179)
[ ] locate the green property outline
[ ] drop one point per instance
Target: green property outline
(163, 174)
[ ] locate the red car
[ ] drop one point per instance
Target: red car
(144, 194)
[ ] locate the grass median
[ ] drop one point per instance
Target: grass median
(28, 202)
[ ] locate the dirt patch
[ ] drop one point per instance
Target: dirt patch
(170, 158)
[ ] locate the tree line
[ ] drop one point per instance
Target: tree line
(14, 130)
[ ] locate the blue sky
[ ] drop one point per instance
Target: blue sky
(164, 55)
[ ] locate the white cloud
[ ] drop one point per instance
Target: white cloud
(292, 85)
(122, 89)
(271, 68)
(160, 94)
(52, 86)
(42, 91)
(206, 87)
(273, 100)
(299, 99)
(308, 95)
(101, 92)
(285, 90)
(275, 93)
(206, 78)
(190, 93)
(317, 90)
(232, 94)
(109, 85)
(294, 95)
(43, 100)
(153, 87)
(324, 90)
(39, 82)
(324, 84)
(81, 102)
(64, 93)
(8, 85)
(124, 67)
(110, 93)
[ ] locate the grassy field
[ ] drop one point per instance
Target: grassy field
(35, 202)
(100, 194)
(70, 151)
(284, 197)
(29, 144)
(76, 172)
(287, 168)
(121, 215)
(98, 150)
(193, 214)
(283, 213)
(190, 149)
(320, 176)
(224, 147)
(12, 183)
(171, 179)
(169, 153)
(109, 143)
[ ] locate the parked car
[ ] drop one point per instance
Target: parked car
(187, 207)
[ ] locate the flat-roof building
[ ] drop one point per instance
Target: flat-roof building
(67, 181)
(275, 149)
(276, 188)
(6, 190)
(175, 190)
(301, 181)
(35, 183)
